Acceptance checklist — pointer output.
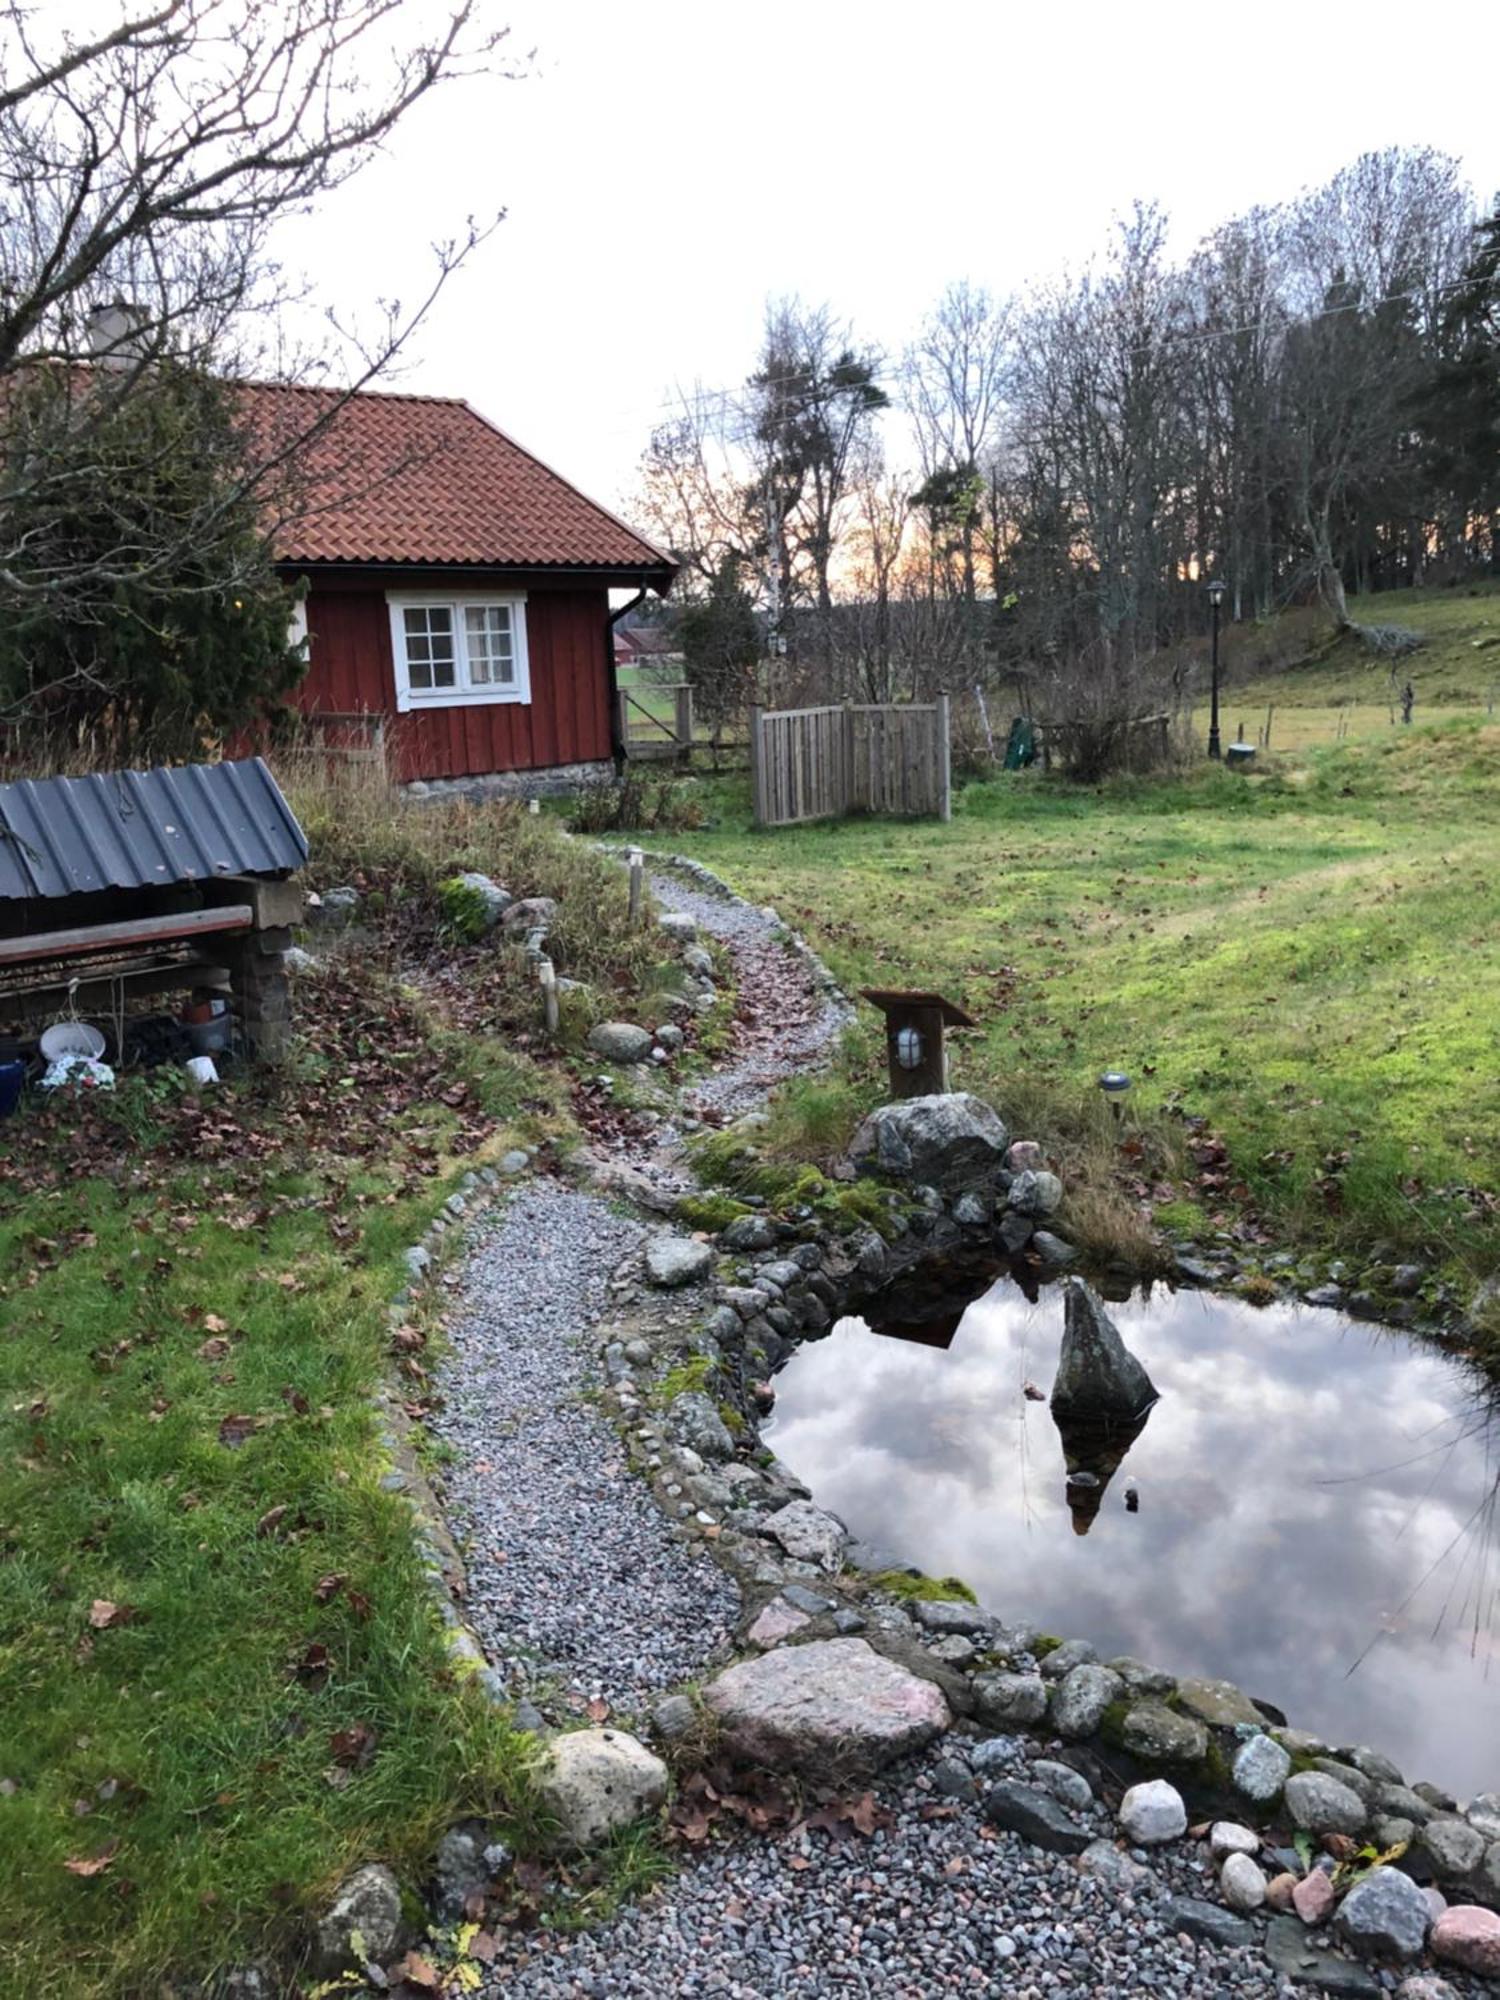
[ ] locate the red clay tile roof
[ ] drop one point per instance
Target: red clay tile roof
(426, 479)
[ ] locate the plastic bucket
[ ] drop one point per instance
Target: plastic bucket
(209, 1035)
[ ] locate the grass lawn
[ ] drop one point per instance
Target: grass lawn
(223, 1680)
(1307, 958)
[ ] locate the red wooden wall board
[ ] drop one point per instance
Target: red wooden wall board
(566, 721)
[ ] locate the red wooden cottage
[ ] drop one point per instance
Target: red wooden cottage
(457, 589)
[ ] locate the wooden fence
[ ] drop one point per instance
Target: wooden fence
(819, 763)
(645, 733)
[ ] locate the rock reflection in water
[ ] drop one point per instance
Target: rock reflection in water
(1319, 1516)
(1092, 1454)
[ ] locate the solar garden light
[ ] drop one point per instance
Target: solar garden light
(1216, 602)
(1114, 1083)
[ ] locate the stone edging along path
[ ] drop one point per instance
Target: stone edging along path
(617, 1553)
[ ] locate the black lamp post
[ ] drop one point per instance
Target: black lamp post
(1215, 600)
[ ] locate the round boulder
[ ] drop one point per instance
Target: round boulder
(834, 1708)
(677, 1260)
(1320, 1804)
(596, 1781)
(366, 1905)
(1080, 1700)
(1261, 1768)
(1158, 1735)
(1385, 1915)
(1153, 1813)
(621, 1042)
(1468, 1936)
(951, 1141)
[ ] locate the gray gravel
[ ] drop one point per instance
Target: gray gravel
(576, 1579)
(938, 1904)
(785, 1020)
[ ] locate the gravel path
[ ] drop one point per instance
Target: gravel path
(936, 1905)
(575, 1576)
(784, 1022)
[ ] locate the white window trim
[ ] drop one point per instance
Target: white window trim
(409, 698)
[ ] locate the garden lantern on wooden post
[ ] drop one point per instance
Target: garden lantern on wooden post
(914, 1024)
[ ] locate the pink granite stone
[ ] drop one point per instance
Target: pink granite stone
(777, 1621)
(1468, 1936)
(1313, 1898)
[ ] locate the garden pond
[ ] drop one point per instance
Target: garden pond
(1308, 1511)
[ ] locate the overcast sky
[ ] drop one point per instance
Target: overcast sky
(670, 163)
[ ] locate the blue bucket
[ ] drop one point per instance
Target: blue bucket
(12, 1077)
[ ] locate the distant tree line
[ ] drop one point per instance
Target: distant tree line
(1307, 406)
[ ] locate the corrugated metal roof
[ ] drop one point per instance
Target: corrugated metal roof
(144, 829)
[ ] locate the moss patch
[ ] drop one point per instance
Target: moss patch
(930, 1589)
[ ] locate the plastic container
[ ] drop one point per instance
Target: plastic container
(209, 1025)
(202, 1069)
(12, 1081)
(71, 1038)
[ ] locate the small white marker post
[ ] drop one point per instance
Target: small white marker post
(533, 806)
(637, 882)
(548, 978)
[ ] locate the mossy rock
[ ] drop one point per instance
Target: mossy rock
(712, 1212)
(465, 910)
(930, 1589)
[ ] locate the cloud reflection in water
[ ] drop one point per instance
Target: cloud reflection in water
(1316, 1520)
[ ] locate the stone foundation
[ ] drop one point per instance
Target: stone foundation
(555, 781)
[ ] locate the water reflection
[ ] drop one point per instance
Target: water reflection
(1316, 1504)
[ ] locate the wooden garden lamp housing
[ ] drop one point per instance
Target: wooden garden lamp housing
(914, 1024)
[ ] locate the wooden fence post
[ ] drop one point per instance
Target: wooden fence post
(684, 719)
(757, 764)
(944, 761)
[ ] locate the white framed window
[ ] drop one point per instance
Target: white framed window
(455, 649)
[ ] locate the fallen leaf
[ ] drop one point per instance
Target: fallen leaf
(213, 1350)
(598, 1710)
(270, 1521)
(330, 1585)
(103, 1614)
(93, 1864)
(416, 1970)
(233, 1430)
(353, 1747)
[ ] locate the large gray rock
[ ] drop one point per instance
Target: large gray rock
(806, 1532)
(366, 1907)
(1081, 1698)
(596, 1781)
(490, 900)
(1320, 1804)
(677, 1260)
(1206, 1922)
(620, 1041)
(699, 1425)
(1097, 1376)
(1001, 1698)
(832, 1708)
(1454, 1848)
(1386, 1915)
(1219, 1703)
(1158, 1735)
(951, 1142)
(1297, 1957)
(1035, 1815)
